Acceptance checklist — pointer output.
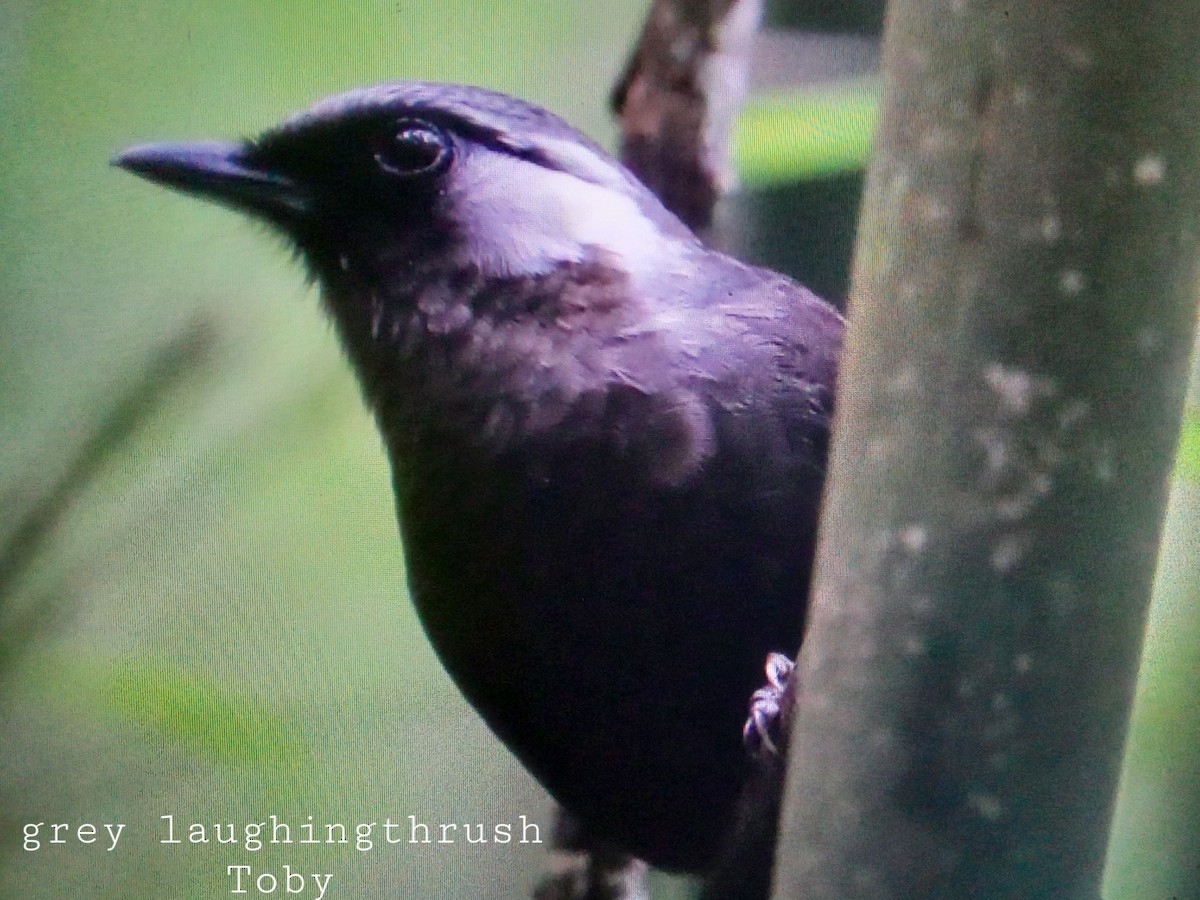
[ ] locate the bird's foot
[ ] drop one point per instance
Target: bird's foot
(764, 733)
(586, 868)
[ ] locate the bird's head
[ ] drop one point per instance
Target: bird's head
(432, 174)
(482, 260)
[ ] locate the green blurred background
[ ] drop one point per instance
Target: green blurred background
(202, 600)
(208, 616)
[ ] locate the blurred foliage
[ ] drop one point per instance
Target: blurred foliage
(202, 600)
(1189, 446)
(788, 137)
(856, 16)
(205, 716)
(1155, 845)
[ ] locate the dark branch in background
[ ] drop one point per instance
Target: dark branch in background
(1008, 405)
(743, 870)
(805, 227)
(678, 98)
(788, 59)
(182, 354)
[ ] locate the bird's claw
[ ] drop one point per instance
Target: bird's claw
(763, 733)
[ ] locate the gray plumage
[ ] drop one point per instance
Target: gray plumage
(607, 441)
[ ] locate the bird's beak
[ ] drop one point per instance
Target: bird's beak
(219, 172)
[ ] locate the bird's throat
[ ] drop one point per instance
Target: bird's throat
(493, 360)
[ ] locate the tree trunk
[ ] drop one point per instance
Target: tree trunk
(1020, 326)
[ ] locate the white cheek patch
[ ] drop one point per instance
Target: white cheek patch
(519, 218)
(574, 157)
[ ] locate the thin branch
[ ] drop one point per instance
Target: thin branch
(678, 98)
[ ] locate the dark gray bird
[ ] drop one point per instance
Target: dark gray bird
(607, 441)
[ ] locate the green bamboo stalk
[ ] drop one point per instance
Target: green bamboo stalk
(1021, 318)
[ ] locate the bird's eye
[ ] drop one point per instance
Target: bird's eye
(414, 148)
